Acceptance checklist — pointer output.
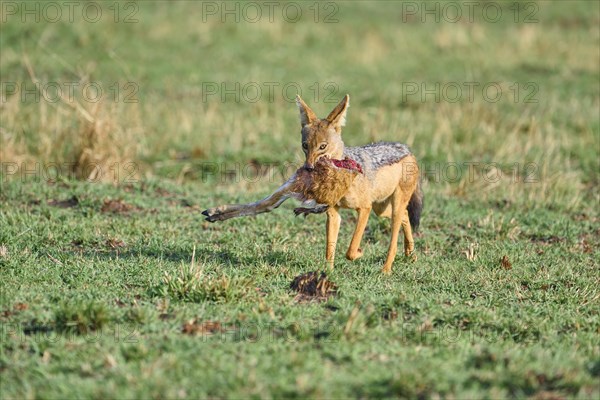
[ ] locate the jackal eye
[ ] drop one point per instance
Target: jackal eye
(305, 146)
(322, 147)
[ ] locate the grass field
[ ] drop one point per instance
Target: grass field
(113, 286)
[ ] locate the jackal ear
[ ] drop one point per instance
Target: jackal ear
(306, 114)
(337, 117)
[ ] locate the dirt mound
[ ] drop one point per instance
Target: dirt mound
(116, 207)
(313, 286)
(195, 327)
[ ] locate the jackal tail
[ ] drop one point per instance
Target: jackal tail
(415, 207)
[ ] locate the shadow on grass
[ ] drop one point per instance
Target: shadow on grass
(223, 256)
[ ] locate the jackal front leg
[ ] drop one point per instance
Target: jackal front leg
(354, 251)
(333, 228)
(267, 204)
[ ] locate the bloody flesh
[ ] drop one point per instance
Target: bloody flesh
(348, 163)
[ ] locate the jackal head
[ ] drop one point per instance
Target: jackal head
(322, 137)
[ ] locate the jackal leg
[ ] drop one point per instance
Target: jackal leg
(267, 204)
(409, 242)
(354, 250)
(333, 228)
(398, 211)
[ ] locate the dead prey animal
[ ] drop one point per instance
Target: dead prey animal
(321, 188)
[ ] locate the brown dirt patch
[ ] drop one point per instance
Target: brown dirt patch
(194, 327)
(68, 203)
(17, 308)
(313, 286)
(546, 240)
(114, 243)
(116, 207)
(505, 263)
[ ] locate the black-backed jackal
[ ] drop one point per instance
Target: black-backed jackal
(383, 177)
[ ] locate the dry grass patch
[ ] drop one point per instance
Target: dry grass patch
(71, 137)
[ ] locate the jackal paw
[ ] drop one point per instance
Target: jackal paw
(354, 255)
(411, 255)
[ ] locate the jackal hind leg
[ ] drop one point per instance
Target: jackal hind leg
(398, 210)
(409, 242)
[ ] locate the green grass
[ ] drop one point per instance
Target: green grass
(443, 324)
(98, 304)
